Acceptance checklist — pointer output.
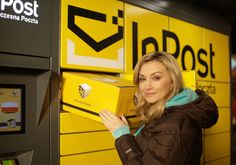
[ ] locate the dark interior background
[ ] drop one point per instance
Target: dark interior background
(225, 8)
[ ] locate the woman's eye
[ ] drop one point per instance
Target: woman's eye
(141, 79)
(156, 78)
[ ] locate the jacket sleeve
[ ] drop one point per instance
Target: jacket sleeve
(167, 149)
(128, 150)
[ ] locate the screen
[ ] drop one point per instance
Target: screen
(12, 104)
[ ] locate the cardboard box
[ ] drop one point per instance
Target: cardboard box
(87, 94)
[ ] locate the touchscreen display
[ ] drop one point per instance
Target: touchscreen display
(12, 104)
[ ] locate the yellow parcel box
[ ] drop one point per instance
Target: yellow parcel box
(87, 94)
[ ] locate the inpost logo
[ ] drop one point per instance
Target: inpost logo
(102, 48)
(84, 90)
(97, 46)
(17, 10)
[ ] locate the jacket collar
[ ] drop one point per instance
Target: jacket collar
(202, 110)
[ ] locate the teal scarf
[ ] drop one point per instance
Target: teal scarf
(185, 96)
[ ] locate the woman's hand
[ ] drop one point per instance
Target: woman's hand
(111, 121)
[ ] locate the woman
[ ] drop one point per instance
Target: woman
(172, 115)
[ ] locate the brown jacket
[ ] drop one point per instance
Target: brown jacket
(174, 139)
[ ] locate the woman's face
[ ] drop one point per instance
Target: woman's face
(154, 81)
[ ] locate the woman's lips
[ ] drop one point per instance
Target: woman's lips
(149, 94)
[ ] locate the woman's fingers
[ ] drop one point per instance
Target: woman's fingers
(108, 120)
(105, 121)
(124, 119)
(109, 114)
(111, 121)
(111, 117)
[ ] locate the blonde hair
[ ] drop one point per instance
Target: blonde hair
(149, 111)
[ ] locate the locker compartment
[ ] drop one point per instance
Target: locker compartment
(86, 142)
(100, 158)
(221, 161)
(71, 123)
(223, 123)
(217, 146)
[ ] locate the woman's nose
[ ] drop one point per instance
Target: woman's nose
(148, 84)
